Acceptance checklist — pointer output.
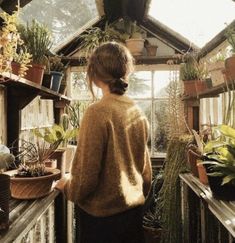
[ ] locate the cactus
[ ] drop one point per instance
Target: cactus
(64, 121)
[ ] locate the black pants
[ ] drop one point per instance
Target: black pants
(125, 227)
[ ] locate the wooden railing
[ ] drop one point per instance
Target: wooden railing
(204, 218)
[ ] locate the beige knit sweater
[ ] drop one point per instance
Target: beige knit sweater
(111, 171)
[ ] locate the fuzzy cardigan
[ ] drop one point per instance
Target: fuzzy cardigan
(111, 170)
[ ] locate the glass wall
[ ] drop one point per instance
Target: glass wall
(149, 90)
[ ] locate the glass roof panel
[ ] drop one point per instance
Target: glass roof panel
(63, 18)
(197, 20)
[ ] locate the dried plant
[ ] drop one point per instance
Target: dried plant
(175, 119)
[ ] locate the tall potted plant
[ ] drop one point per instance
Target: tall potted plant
(37, 39)
(192, 73)
(6, 158)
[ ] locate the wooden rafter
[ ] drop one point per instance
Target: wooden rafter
(11, 5)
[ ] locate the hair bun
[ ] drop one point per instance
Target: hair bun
(118, 86)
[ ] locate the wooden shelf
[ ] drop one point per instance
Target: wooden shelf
(13, 81)
(147, 60)
(211, 92)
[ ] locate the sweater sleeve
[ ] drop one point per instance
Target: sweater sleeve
(86, 166)
(147, 173)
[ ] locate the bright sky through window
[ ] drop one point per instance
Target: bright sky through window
(197, 20)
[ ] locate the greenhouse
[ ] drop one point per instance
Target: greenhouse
(117, 121)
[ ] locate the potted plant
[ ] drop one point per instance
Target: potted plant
(151, 46)
(95, 36)
(6, 158)
(219, 160)
(10, 44)
(216, 69)
(57, 69)
(37, 39)
(33, 179)
(135, 42)
(192, 73)
(60, 134)
(196, 151)
(230, 61)
(151, 217)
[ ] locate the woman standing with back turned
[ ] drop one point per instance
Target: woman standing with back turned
(111, 173)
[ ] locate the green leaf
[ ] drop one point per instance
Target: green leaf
(226, 131)
(228, 179)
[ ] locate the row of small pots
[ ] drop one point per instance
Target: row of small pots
(36, 74)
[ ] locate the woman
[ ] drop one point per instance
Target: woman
(111, 172)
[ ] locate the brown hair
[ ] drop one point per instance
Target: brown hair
(110, 63)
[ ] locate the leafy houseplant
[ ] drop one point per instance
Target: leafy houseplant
(37, 39)
(95, 36)
(219, 160)
(6, 158)
(192, 73)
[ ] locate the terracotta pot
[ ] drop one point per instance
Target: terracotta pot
(217, 72)
(230, 68)
(5, 195)
(33, 187)
(135, 46)
(151, 50)
(192, 162)
(202, 173)
(35, 73)
(193, 87)
(15, 67)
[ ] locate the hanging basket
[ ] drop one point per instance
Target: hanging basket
(5, 195)
(33, 187)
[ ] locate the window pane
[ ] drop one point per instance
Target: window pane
(140, 85)
(159, 131)
(145, 106)
(80, 89)
(161, 82)
(63, 18)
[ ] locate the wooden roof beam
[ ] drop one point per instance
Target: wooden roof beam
(11, 5)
